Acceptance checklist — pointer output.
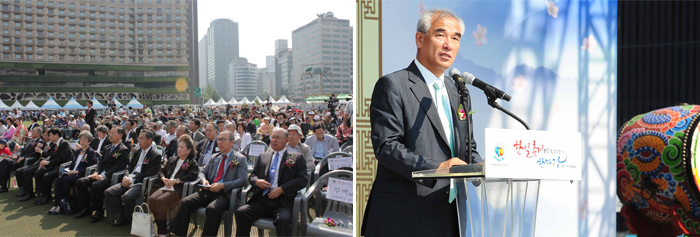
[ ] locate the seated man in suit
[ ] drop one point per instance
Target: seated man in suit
(144, 163)
(19, 173)
(27, 153)
(194, 128)
(102, 139)
(226, 171)
(114, 158)
(276, 178)
(171, 150)
(207, 147)
(320, 143)
(45, 170)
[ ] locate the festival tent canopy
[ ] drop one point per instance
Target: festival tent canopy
(209, 103)
(133, 103)
(245, 101)
(221, 102)
(96, 104)
(282, 101)
(270, 100)
(17, 105)
(3, 106)
(31, 106)
(117, 103)
(50, 105)
(233, 101)
(259, 100)
(72, 104)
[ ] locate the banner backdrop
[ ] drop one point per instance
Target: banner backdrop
(557, 59)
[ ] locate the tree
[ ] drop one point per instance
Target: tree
(210, 93)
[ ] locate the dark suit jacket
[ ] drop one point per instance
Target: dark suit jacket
(28, 150)
(149, 167)
(407, 136)
(172, 148)
(291, 179)
(57, 155)
(114, 161)
(96, 142)
(198, 136)
(200, 150)
(90, 117)
(90, 159)
(127, 142)
(234, 175)
(29, 129)
(188, 175)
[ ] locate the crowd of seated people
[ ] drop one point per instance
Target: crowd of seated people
(60, 151)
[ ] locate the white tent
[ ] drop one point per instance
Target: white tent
(270, 100)
(17, 105)
(245, 101)
(117, 103)
(233, 101)
(133, 103)
(282, 101)
(51, 104)
(31, 106)
(96, 104)
(3, 106)
(259, 100)
(221, 102)
(72, 104)
(210, 102)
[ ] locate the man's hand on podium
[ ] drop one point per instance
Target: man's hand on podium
(452, 162)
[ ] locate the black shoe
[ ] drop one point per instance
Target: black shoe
(43, 200)
(3, 190)
(26, 197)
(97, 217)
(121, 221)
(83, 213)
(20, 194)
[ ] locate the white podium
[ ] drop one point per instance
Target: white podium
(499, 197)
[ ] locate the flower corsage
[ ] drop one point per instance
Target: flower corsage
(462, 114)
(289, 162)
(233, 164)
(185, 165)
(330, 222)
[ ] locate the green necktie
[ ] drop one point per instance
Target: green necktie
(444, 111)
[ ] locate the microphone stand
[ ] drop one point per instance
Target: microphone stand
(491, 96)
(464, 97)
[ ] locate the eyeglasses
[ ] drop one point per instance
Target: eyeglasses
(222, 139)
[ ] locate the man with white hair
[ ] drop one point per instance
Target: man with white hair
(415, 126)
(294, 145)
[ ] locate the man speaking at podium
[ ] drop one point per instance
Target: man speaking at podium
(415, 126)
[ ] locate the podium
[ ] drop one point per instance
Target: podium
(499, 197)
(490, 207)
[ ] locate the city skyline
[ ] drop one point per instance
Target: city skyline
(255, 44)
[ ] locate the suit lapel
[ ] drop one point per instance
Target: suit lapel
(422, 94)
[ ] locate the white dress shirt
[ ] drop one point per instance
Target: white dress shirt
(279, 167)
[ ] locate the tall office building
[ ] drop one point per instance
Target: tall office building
(283, 67)
(269, 84)
(322, 58)
(222, 50)
(203, 72)
(243, 78)
(103, 49)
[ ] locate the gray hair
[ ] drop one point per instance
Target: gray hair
(87, 135)
(172, 124)
(231, 136)
(216, 127)
(426, 19)
(102, 128)
(159, 124)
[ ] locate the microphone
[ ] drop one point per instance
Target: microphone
(471, 79)
(454, 74)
